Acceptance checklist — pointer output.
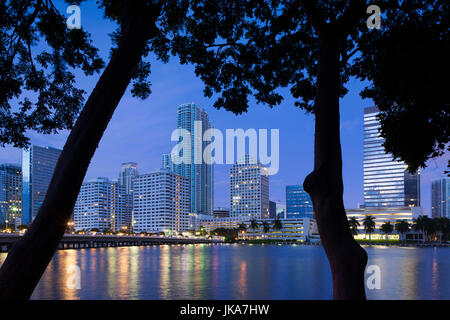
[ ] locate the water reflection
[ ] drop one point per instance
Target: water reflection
(236, 272)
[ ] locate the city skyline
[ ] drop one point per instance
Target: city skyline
(140, 130)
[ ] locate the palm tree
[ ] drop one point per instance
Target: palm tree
(402, 227)
(369, 226)
(277, 224)
(254, 225)
(354, 224)
(266, 226)
(445, 227)
(242, 227)
(420, 224)
(387, 229)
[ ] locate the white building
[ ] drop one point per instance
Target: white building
(102, 204)
(249, 190)
(161, 202)
(382, 215)
(298, 229)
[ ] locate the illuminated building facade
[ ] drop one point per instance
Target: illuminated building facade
(301, 230)
(200, 176)
(386, 181)
(249, 190)
(382, 215)
(102, 204)
(161, 202)
(38, 164)
(298, 203)
(440, 198)
(10, 195)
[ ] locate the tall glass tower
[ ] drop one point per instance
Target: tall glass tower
(10, 194)
(126, 176)
(440, 198)
(38, 164)
(386, 181)
(200, 175)
(298, 203)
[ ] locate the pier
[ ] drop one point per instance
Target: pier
(78, 241)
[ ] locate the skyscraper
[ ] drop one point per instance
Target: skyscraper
(102, 204)
(38, 164)
(440, 198)
(298, 203)
(386, 181)
(249, 190)
(10, 194)
(126, 176)
(161, 202)
(272, 209)
(166, 162)
(200, 175)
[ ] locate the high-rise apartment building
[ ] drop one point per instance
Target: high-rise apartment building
(386, 181)
(126, 176)
(102, 204)
(161, 202)
(200, 175)
(298, 203)
(249, 189)
(440, 198)
(10, 194)
(38, 164)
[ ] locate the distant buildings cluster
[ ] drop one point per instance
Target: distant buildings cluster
(180, 197)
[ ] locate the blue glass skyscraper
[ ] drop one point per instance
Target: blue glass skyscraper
(38, 164)
(298, 203)
(386, 180)
(10, 194)
(200, 175)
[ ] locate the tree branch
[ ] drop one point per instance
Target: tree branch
(314, 14)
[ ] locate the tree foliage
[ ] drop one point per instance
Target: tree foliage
(274, 44)
(38, 54)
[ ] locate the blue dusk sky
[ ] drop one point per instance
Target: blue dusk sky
(140, 130)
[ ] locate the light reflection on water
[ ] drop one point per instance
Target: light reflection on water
(237, 272)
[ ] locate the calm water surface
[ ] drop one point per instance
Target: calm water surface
(237, 272)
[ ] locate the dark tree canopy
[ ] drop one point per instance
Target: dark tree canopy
(38, 54)
(275, 45)
(407, 65)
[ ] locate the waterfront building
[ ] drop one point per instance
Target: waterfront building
(210, 223)
(102, 204)
(10, 195)
(298, 203)
(161, 202)
(298, 229)
(126, 179)
(38, 164)
(249, 189)
(386, 180)
(200, 175)
(272, 209)
(221, 212)
(382, 215)
(440, 198)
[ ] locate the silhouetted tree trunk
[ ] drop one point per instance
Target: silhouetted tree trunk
(347, 259)
(29, 257)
